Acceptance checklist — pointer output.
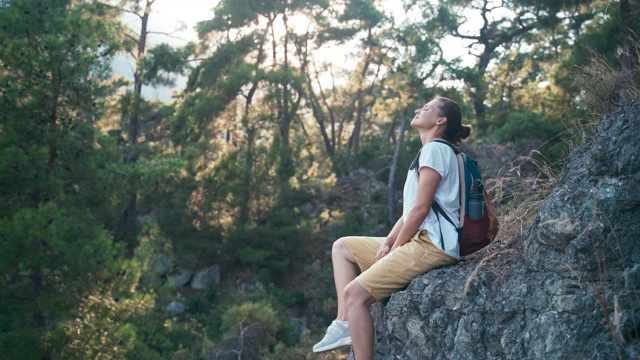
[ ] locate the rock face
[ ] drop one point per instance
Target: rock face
(179, 277)
(570, 289)
(206, 278)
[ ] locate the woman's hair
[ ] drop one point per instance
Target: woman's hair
(454, 131)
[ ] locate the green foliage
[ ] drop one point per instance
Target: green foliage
(162, 61)
(246, 314)
(364, 11)
(51, 239)
(17, 340)
(355, 221)
(211, 87)
(526, 126)
(602, 35)
(56, 256)
(270, 245)
(227, 179)
(266, 290)
(227, 56)
(187, 232)
(60, 184)
(358, 16)
(235, 14)
(156, 178)
(531, 130)
(127, 319)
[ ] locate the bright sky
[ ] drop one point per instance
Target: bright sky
(169, 15)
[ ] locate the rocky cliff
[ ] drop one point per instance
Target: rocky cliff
(569, 289)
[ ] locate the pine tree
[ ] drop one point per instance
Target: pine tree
(59, 178)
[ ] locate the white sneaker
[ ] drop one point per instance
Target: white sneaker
(336, 336)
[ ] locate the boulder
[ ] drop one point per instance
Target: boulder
(568, 289)
(175, 308)
(206, 277)
(161, 264)
(179, 277)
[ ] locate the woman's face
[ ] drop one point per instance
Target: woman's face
(426, 116)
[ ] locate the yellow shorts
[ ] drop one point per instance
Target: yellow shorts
(396, 270)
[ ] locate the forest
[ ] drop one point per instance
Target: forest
(113, 203)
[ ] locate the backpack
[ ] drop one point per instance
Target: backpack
(473, 234)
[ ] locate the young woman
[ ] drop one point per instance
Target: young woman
(417, 243)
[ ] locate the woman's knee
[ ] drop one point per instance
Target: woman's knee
(350, 293)
(355, 294)
(340, 251)
(338, 247)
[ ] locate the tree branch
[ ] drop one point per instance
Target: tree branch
(168, 35)
(133, 38)
(132, 13)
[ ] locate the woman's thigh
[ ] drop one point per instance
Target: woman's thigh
(363, 249)
(396, 270)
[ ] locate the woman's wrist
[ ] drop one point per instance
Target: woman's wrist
(389, 241)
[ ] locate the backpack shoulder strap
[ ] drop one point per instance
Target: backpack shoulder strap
(462, 159)
(415, 164)
(448, 144)
(463, 186)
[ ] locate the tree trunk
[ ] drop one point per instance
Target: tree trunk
(354, 140)
(392, 172)
(137, 85)
(332, 141)
(285, 116)
(131, 156)
(490, 37)
(35, 276)
(247, 177)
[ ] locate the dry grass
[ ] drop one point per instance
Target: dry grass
(597, 286)
(519, 195)
(606, 88)
(520, 192)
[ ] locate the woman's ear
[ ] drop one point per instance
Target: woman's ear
(442, 120)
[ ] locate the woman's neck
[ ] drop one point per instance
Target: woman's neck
(428, 136)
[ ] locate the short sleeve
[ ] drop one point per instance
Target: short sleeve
(436, 156)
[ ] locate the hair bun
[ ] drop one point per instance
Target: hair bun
(465, 131)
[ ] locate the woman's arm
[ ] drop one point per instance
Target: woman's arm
(427, 184)
(391, 238)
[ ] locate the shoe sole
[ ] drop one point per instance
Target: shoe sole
(343, 342)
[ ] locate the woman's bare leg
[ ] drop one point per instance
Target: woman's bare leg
(344, 271)
(360, 322)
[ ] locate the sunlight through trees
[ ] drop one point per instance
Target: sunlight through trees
(291, 131)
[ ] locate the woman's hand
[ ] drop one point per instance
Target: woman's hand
(383, 251)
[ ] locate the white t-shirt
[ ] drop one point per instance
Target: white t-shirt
(442, 159)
